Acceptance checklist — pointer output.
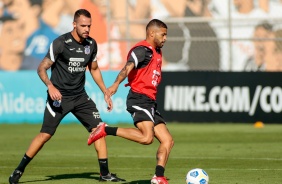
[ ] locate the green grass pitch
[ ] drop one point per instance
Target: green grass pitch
(229, 153)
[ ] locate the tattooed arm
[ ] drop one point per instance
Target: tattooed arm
(45, 64)
(121, 76)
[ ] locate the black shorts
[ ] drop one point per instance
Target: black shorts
(142, 108)
(81, 106)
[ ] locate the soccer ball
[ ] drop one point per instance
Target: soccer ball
(197, 176)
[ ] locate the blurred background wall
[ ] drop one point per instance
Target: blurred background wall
(230, 41)
(203, 35)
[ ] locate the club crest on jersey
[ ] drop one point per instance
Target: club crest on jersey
(87, 49)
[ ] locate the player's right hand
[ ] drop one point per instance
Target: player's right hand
(54, 93)
(108, 100)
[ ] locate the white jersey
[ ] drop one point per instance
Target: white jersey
(242, 28)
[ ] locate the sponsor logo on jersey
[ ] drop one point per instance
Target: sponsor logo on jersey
(75, 65)
(68, 41)
(152, 111)
(96, 115)
(77, 59)
(87, 49)
(79, 50)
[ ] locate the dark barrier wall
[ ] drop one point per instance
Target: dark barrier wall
(221, 96)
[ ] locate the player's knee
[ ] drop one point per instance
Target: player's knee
(169, 143)
(44, 137)
(147, 140)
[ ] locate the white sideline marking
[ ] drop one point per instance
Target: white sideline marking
(215, 169)
(183, 158)
(177, 157)
(250, 169)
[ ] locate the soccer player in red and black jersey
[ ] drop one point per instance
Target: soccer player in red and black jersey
(69, 57)
(143, 69)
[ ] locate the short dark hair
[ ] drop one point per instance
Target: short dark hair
(265, 25)
(80, 12)
(7, 18)
(156, 22)
(36, 2)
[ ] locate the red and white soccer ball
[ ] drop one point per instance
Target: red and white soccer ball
(197, 176)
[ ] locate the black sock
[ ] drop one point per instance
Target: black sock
(25, 160)
(104, 169)
(111, 130)
(159, 171)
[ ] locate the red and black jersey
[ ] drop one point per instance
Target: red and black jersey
(146, 75)
(70, 61)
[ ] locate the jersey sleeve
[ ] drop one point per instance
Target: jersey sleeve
(94, 52)
(140, 56)
(137, 55)
(56, 47)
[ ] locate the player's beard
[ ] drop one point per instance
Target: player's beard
(82, 35)
(159, 44)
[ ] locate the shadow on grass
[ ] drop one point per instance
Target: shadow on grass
(87, 175)
(138, 182)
